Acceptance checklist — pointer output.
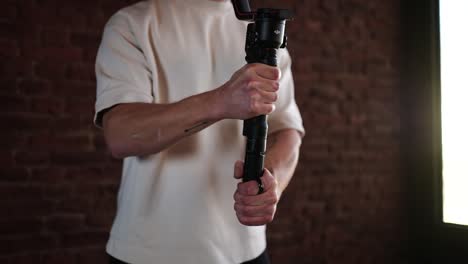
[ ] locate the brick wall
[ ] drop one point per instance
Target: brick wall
(58, 182)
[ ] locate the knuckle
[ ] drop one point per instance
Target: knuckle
(269, 108)
(276, 86)
(243, 220)
(243, 200)
(250, 84)
(275, 199)
(250, 69)
(244, 210)
(274, 182)
(277, 73)
(269, 218)
(237, 197)
(272, 108)
(253, 106)
(252, 92)
(245, 68)
(240, 209)
(275, 97)
(271, 210)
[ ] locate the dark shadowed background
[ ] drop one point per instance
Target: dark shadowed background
(345, 205)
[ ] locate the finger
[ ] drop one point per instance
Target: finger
(238, 169)
(255, 221)
(269, 197)
(260, 108)
(264, 85)
(253, 211)
(248, 188)
(264, 95)
(267, 71)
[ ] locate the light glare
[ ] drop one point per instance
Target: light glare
(454, 92)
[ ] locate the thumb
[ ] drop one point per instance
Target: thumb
(268, 180)
(238, 169)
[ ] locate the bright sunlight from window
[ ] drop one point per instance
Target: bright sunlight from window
(454, 92)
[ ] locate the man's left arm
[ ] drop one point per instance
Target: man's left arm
(282, 155)
(280, 162)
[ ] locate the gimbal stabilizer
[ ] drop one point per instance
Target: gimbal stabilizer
(265, 35)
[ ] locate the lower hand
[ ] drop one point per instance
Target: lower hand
(253, 209)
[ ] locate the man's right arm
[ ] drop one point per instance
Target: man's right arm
(137, 129)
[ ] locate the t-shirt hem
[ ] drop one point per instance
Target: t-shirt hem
(135, 253)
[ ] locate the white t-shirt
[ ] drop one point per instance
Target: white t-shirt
(176, 206)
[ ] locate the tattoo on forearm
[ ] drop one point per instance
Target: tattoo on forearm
(197, 127)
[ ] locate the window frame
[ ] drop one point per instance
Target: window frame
(430, 239)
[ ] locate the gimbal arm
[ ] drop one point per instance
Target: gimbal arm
(265, 35)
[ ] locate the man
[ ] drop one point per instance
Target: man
(172, 91)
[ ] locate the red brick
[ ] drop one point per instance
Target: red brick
(25, 258)
(28, 243)
(34, 88)
(32, 158)
(8, 30)
(96, 175)
(84, 239)
(65, 223)
(83, 107)
(27, 208)
(11, 68)
(9, 48)
(48, 106)
(55, 38)
(48, 175)
(73, 124)
(74, 204)
(55, 54)
(20, 226)
(102, 219)
(16, 191)
(50, 70)
(97, 255)
(6, 156)
(86, 39)
(83, 72)
(12, 140)
(8, 174)
(77, 158)
(99, 142)
(60, 257)
(76, 88)
(9, 12)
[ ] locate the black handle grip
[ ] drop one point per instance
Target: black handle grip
(256, 130)
(264, 37)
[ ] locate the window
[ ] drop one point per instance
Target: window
(453, 19)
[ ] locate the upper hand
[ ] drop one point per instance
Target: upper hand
(252, 209)
(250, 92)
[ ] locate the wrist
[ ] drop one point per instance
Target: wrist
(279, 186)
(215, 104)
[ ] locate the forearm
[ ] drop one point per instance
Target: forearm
(282, 155)
(138, 129)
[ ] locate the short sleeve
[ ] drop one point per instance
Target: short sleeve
(286, 114)
(122, 71)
